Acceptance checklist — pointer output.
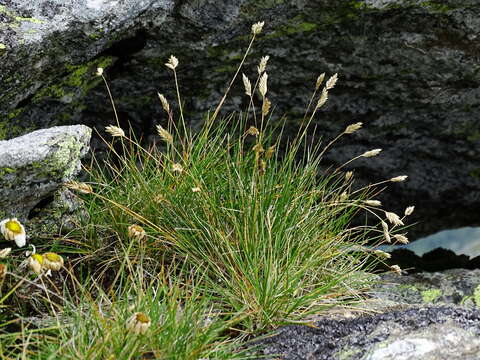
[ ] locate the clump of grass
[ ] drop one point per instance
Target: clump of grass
(269, 234)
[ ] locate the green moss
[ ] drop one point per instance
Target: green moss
(5, 171)
(476, 295)
(3, 130)
(79, 81)
(475, 173)
(430, 295)
(436, 6)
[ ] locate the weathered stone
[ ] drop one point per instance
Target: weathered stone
(33, 166)
(409, 318)
(409, 69)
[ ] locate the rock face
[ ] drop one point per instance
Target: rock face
(409, 69)
(33, 166)
(415, 317)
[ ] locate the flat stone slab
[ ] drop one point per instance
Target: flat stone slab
(33, 166)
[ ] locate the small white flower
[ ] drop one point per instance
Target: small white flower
(35, 263)
(99, 71)
(12, 229)
(5, 252)
(52, 261)
(138, 323)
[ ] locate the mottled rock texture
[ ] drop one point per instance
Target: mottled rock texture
(33, 166)
(409, 69)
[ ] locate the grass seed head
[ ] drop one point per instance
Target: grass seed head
(396, 269)
(247, 84)
(319, 81)
(382, 254)
(136, 232)
(115, 131)
(323, 99)
(393, 218)
(257, 27)
(373, 202)
(386, 232)
(348, 175)
(165, 135)
(262, 86)
(258, 148)
(172, 62)
(270, 151)
(263, 64)
(352, 128)
(371, 153)
(266, 106)
(409, 210)
(331, 82)
(164, 102)
(253, 131)
(80, 187)
(401, 238)
(178, 168)
(399, 178)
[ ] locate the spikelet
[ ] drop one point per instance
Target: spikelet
(331, 82)
(401, 238)
(382, 254)
(258, 148)
(172, 62)
(348, 175)
(115, 131)
(164, 134)
(393, 218)
(262, 165)
(263, 64)
(262, 86)
(270, 151)
(323, 99)
(257, 27)
(266, 106)
(352, 128)
(371, 153)
(399, 178)
(373, 202)
(247, 84)
(396, 269)
(409, 210)
(253, 131)
(319, 81)
(79, 186)
(165, 104)
(386, 233)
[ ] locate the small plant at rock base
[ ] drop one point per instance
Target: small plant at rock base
(268, 237)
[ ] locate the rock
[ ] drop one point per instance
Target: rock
(33, 167)
(414, 317)
(408, 70)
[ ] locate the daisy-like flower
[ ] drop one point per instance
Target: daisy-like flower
(138, 323)
(12, 229)
(52, 261)
(136, 232)
(35, 263)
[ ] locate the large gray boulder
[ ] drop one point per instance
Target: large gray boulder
(34, 166)
(408, 70)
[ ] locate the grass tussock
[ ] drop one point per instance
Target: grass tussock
(201, 241)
